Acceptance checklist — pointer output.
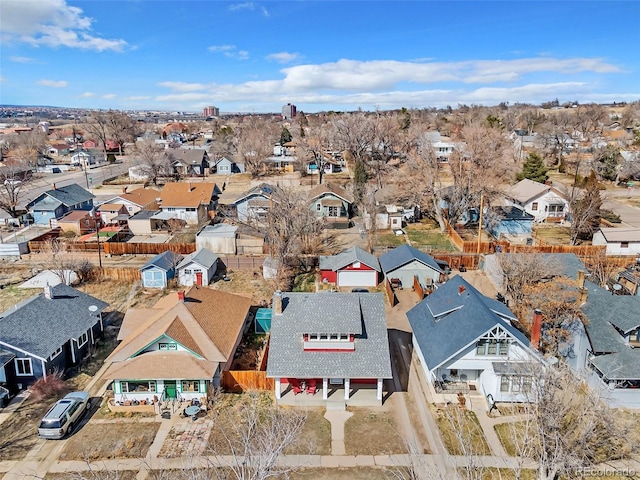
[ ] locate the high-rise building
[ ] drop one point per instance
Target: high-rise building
(211, 111)
(289, 111)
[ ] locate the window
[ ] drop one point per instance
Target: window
(496, 342)
(167, 346)
(138, 386)
(504, 383)
(344, 336)
(318, 206)
(333, 336)
(333, 211)
(56, 353)
(324, 336)
(23, 367)
(313, 336)
(82, 339)
(191, 209)
(534, 206)
(190, 385)
(187, 271)
(526, 384)
(624, 244)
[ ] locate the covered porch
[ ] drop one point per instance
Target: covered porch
(367, 392)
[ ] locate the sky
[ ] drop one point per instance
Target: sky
(325, 55)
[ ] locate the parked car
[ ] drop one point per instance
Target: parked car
(64, 415)
(359, 290)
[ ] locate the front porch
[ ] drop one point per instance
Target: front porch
(344, 393)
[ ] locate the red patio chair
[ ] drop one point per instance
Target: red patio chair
(295, 386)
(311, 387)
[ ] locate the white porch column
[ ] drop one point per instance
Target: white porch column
(347, 387)
(379, 390)
(73, 351)
(278, 392)
(325, 388)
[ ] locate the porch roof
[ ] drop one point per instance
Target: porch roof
(159, 365)
(330, 202)
(510, 368)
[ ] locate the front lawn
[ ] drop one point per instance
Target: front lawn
(372, 433)
(427, 235)
(315, 438)
(461, 432)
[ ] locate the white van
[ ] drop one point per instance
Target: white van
(64, 415)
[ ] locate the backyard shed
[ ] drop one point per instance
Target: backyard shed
(220, 238)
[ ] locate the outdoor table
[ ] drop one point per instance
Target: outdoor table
(192, 411)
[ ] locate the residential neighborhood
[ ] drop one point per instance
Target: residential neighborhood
(246, 253)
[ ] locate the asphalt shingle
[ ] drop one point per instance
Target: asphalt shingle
(404, 254)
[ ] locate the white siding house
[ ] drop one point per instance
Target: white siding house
(619, 241)
(197, 268)
(544, 202)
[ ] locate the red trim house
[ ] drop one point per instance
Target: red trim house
(351, 268)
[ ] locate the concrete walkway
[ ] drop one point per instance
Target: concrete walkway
(337, 419)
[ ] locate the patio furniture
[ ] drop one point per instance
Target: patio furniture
(192, 411)
(295, 386)
(311, 387)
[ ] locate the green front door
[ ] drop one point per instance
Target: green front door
(170, 388)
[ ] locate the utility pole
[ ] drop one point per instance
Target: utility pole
(98, 237)
(480, 222)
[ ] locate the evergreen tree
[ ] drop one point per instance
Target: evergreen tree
(534, 169)
(285, 136)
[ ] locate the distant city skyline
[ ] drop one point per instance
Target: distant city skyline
(320, 56)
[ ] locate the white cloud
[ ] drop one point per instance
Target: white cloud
(230, 51)
(16, 59)
(53, 83)
(137, 98)
(283, 57)
(109, 96)
(52, 23)
(251, 6)
(87, 95)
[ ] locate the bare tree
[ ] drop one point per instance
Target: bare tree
(63, 263)
(519, 271)
(98, 125)
(254, 143)
(585, 206)
(313, 146)
(154, 159)
(14, 177)
(121, 127)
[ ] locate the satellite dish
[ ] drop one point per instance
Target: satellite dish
(93, 308)
(617, 287)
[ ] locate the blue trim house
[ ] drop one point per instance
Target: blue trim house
(254, 204)
(46, 333)
(55, 203)
(157, 272)
(511, 221)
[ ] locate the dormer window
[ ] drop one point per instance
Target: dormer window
(329, 341)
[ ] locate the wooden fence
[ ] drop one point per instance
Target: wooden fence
(454, 238)
(391, 296)
(127, 248)
(239, 381)
(242, 262)
(418, 288)
(121, 274)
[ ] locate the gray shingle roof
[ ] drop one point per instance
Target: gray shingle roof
(347, 257)
(40, 326)
(203, 257)
(404, 254)
(471, 314)
(69, 195)
(5, 357)
(165, 261)
(308, 312)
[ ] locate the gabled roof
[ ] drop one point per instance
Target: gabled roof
(68, 195)
(336, 313)
(40, 325)
(74, 216)
(527, 190)
(510, 213)
(264, 190)
(192, 156)
(448, 321)
(203, 257)
(111, 207)
(404, 254)
(143, 197)
(347, 257)
(613, 234)
(330, 189)
(164, 261)
(188, 194)
(160, 365)
(144, 215)
(208, 323)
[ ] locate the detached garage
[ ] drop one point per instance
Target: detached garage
(351, 268)
(405, 263)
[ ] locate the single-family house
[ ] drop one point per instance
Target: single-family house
(83, 159)
(58, 149)
(192, 162)
(330, 164)
(545, 202)
(157, 272)
(138, 199)
(405, 263)
(178, 348)
(89, 144)
(464, 337)
(225, 166)
(192, 202)
(508, 221)
(46, 333)
(334, 342)
(252, 205)
(144, 223)
(54, 203)
(113, 213)
(80, 222)
(331, 202)
(198, 268)
(619, 241)
(350, 268)
(219, 238)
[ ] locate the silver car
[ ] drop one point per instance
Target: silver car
(64, 415)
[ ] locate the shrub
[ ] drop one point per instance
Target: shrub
(49, 386)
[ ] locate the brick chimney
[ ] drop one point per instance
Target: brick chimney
(277, 303)
(181, 295)
(581, 288)
(53, 186)
(536, 328)
(124, 190)
(461, 289)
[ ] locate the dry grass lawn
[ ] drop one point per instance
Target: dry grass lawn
(372, 433)
(244, 282)
(553, 234)
(315, 438)
(110, 440)
(94, 475)
(460, 428)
